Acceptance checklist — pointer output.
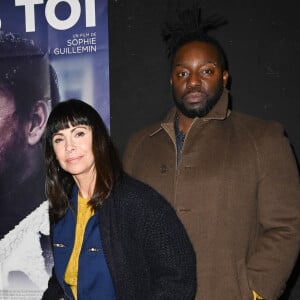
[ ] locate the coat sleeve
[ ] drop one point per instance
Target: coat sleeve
(170, 255)
(129, 153)
(54, 290)
(277, 246)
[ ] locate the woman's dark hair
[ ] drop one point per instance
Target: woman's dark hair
(59, 184)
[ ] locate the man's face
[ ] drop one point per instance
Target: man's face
(12, 141)
(197, 78)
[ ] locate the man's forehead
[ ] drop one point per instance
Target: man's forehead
(198, 46)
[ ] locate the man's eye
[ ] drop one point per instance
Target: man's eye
(207, 71)
(182, 74)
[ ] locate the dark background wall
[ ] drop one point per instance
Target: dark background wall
(262, 42)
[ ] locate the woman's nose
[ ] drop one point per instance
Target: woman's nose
(70, 146)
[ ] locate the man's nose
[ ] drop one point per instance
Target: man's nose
(193, 80)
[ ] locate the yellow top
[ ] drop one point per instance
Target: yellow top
(84, 212)
(256, 296)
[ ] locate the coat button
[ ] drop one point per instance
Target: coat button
(163, 169)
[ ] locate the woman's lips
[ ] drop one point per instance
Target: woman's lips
(73, 159)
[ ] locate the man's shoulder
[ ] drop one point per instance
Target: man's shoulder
(247, 118)
(152, 129)
(253, 124)
(147, 131)
(143, 137)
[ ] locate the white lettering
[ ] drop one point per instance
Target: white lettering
(90, 13)
(63, 24)
(29, 12)
(78, 42)
(52, 19)
(74, 50)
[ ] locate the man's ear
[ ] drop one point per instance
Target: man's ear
(37, 122)
(225, 78)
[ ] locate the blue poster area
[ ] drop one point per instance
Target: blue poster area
(73, 37)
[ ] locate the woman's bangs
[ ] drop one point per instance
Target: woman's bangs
(66, 121)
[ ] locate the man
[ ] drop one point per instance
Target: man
(28, 87)
(232, 178)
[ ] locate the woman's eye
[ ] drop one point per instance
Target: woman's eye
(80, 133)
(57, 140)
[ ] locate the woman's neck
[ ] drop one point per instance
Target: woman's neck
(86, 185)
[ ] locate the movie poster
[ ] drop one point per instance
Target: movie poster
(50, 51)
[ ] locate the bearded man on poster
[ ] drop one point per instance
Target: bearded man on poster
(28, 88)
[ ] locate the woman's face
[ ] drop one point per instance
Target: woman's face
(73, 150)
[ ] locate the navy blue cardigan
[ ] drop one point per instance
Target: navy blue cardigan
(146, 247)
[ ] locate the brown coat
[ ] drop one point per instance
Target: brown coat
(236, 190)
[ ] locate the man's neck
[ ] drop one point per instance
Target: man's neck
(184, 123)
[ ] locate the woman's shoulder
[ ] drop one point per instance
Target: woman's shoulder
(131, 191)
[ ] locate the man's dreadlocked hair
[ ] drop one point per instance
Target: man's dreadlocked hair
(190, 27)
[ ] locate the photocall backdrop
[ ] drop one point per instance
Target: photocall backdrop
(261, 40)
(73, 34)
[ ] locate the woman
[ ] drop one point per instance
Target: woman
(113, 237)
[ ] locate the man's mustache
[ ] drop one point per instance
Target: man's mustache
(191, 90)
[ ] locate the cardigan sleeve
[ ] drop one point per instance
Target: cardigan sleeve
(54, 290)
(170, 255)
(146, 247)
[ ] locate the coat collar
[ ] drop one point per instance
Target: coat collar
(219, 112)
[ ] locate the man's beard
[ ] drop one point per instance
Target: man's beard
(13, 161)
(206, 106)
